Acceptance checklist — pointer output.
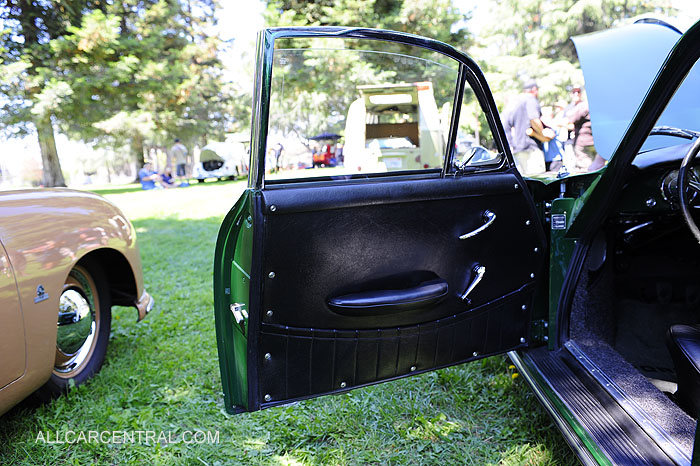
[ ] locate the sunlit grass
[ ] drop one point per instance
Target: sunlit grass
(162, 375)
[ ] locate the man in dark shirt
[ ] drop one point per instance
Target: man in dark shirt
(524, 129)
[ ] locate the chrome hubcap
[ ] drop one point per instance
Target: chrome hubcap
(76, 329)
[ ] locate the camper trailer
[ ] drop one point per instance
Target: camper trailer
(394, 127)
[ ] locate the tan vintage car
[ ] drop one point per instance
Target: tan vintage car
(66, 257)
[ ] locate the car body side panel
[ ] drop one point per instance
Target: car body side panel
(46, 232)
(12, 345)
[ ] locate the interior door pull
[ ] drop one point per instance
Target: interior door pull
(488, 217)
(479, 272)
(381, 302)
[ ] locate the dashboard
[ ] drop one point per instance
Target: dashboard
(653, 184)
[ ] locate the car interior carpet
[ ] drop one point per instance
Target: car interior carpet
(594, 328)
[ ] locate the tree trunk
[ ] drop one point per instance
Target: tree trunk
(51, 167)
(137, 152)
(109, 172)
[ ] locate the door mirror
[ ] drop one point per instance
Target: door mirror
(477, 156)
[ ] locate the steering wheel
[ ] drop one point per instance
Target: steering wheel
(689, 187)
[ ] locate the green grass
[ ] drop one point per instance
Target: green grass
(162, 374)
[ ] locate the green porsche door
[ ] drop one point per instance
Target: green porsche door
(404, 254)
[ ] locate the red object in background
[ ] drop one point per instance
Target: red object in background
(326, 157)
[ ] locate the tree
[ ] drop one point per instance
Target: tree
(30, 85)
(131, 72)
(153, 69)
(430, 18)
(535, 41)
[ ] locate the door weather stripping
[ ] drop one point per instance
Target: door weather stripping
(479, 271)
(488, 217)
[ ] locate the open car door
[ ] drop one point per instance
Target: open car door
(404, 258)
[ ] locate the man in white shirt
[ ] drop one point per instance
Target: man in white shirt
(179, 153)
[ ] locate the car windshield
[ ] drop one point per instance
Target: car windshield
(680, 121)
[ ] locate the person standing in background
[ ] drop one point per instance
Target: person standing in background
(179, 153)
(587, 158)
(524, 130)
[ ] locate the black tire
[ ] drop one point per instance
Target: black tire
(82, 355)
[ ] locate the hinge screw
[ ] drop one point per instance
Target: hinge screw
(268, 397)
(516, 186)
(536, 249)
(413, 368)
(527, 222)
(273, 208)
(269, 313)
(523, 307)
(343, 385)
(522, 340)
(475, 353)
(546, 338)
(268, 356)
(532, 275)
(271, 274)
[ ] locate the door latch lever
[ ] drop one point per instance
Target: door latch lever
(479, 272)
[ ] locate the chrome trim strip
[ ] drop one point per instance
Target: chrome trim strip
(571, 437)
(241, 269)
(647, 424)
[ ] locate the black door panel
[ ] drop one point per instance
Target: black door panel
(404, 234)
(377, 242)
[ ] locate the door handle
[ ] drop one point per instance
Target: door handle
(488, 217)
(479, 272)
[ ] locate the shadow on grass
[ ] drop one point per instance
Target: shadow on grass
(135, 187)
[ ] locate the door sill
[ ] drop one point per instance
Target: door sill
(599, 428)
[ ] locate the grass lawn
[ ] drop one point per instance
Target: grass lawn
(162, 375)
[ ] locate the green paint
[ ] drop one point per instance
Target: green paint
(561, 249)
(232, 285)
(528, 367)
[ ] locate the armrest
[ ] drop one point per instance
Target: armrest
(379, 302)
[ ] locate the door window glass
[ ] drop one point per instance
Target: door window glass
(474, 145)
(343, 107)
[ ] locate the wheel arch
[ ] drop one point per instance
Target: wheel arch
(118, 272)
